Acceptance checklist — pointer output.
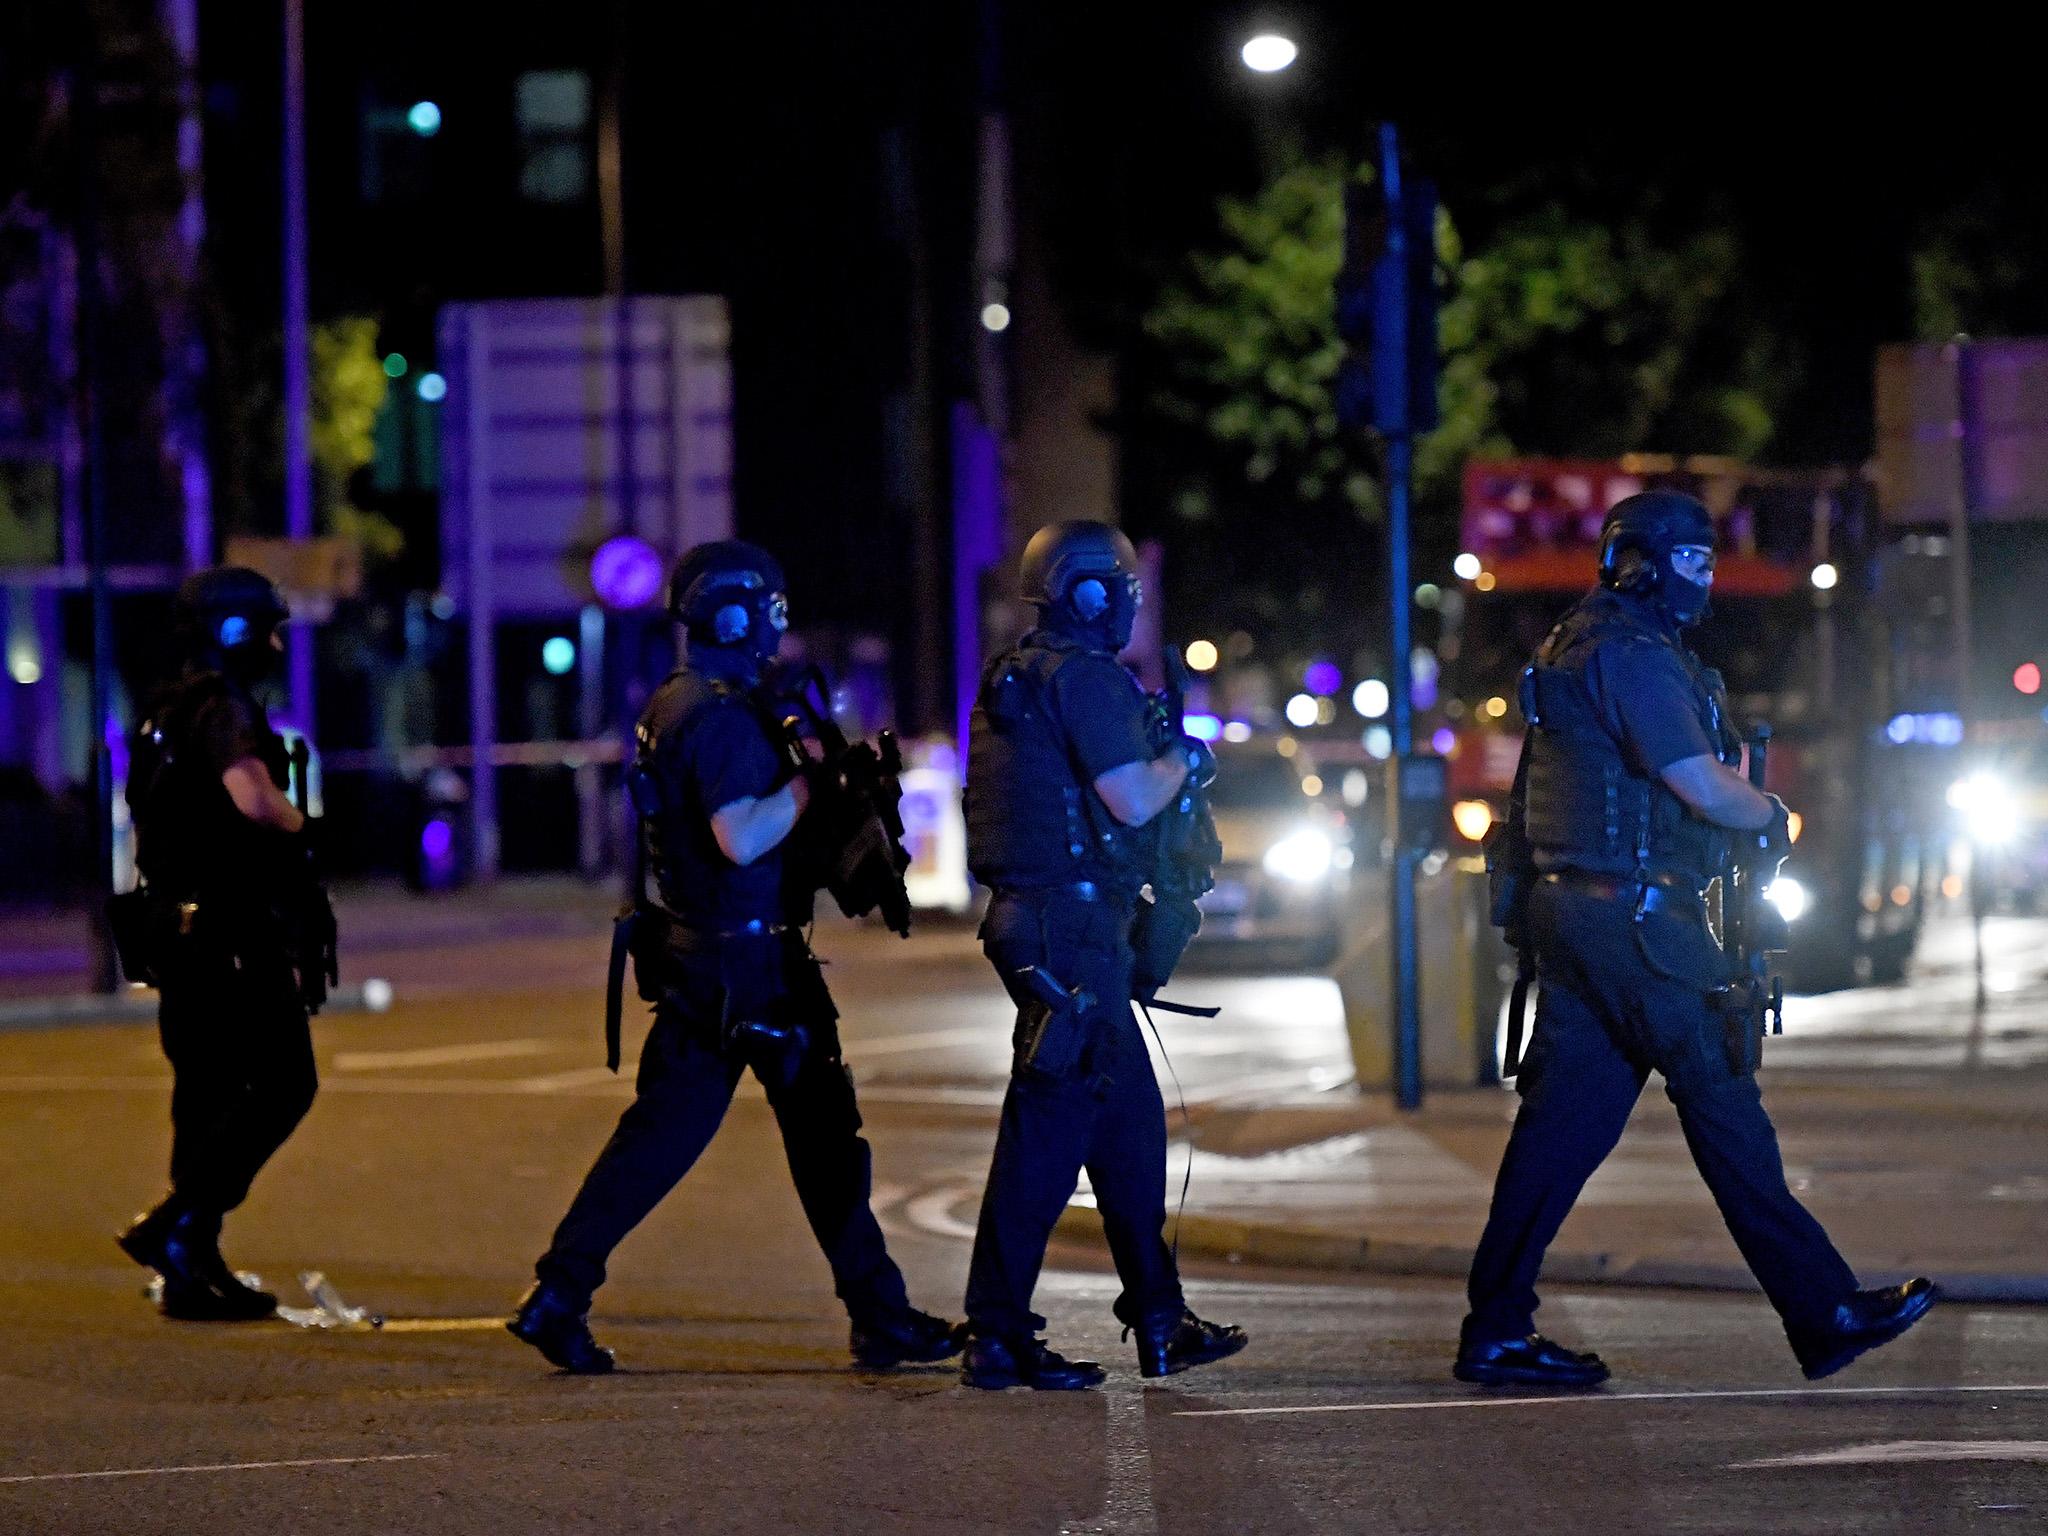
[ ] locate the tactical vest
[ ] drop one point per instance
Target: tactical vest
(1033, 818)
(190, 837)
(698, 884)
(1588, 807)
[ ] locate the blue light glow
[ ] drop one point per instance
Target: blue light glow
(432, 388)
(1202, 727)
(558, 655)
(424, 119)
(1443, 739)
(437, 841)
(1322, 676)
(1938, 729)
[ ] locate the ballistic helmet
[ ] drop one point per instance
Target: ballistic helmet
(730, 593)
(1083, 576)
(1636, 542)
(225, 619)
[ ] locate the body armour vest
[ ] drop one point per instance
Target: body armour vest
(1588, 807)
(698, 884)
(1033, 819)
(189, 836)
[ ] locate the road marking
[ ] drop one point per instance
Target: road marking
(933, 1212)
(440, 1055)
(220, 1466)
(930, 1040)
(442, 1324)
(577, 1077)
(1127, 1502)
(1575, 1399)
(1896, 1451)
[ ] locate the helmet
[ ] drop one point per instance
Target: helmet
(1084, 577)
(1636, 541)
(225, 618)
(730, 593)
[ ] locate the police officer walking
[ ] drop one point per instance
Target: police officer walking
(1065, 786)
(232, 926)
(1629, 804)
(722, 956)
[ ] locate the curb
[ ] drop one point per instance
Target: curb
(138, 1004)
(1306, 1248)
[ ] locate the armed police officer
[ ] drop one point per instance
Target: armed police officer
(1067, 783)
(721, 955)
(1627, 805)
(231, 925)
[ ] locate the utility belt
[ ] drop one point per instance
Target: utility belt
(1657, 893)
(749, 964)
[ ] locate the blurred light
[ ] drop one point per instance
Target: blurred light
(1788, 896)
(1428, 595)
(1311, 784)
(1237, 730)
(1202, 655)
(424, 119)
(1443, 740)
(2027, 677)
(442, 607)
(377, 994)
(1940, 729)
(395, 365)
(1901, 895)
(1322, 676)
(1326, 710)
(625, 572)
(432, 388)
(1202, 727)
(1494, 708)
(23, 664)
(1951, 886)
(1473, 819)
(558, 655)
(1483, 581)
(1466, 566)
(1900, 729)
(1286, 746)
(1794, 825)
(1268, 53)
(1357, 785)
(1302, 856)
(437, 840)
(1824, 578)
(1991, 814)
(1370, 698)
(1423, 671)
(1301, 710)
(995, 317)
(1379, 742)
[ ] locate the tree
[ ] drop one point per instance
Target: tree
(1559, 336)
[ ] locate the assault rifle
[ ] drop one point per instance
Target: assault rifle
(854, 840)
(1752, 931)
(1189, 849)
(308, 916)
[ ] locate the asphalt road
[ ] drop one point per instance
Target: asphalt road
(452, 1130)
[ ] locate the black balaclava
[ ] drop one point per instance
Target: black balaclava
(1083, 578)
(1636, 542)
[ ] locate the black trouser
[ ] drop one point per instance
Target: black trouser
(1621, 998)
(686, 1081)
(241, 1054)
(1105, 1115)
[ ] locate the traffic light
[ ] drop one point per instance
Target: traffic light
(1386, 309)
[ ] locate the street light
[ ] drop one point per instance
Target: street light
(1268, 53)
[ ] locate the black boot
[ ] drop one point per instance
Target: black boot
(1174, 1344)
(1866, 1320)
(909, 1337)
(995, 1363)
(558, 1325)
(182, 1245)
(1533, 1361)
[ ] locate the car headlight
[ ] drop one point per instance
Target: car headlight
(1303, 856)
(1788, 896)
(1473, 819)
(1990, 811)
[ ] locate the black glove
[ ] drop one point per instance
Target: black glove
(1201, 762)
(1763, 849)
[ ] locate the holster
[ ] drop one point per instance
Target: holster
(1052, 1023)
(131, 920)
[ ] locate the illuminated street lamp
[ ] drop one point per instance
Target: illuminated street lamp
(1268, 53)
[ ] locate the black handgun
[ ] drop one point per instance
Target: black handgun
(1052, 1025)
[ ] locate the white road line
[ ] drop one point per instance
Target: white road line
(219, 1466)
(933, 1212)
(930, 1040)
(1893, 1452)
(1577, 1399)
(440, 1055)
(576, 1077)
